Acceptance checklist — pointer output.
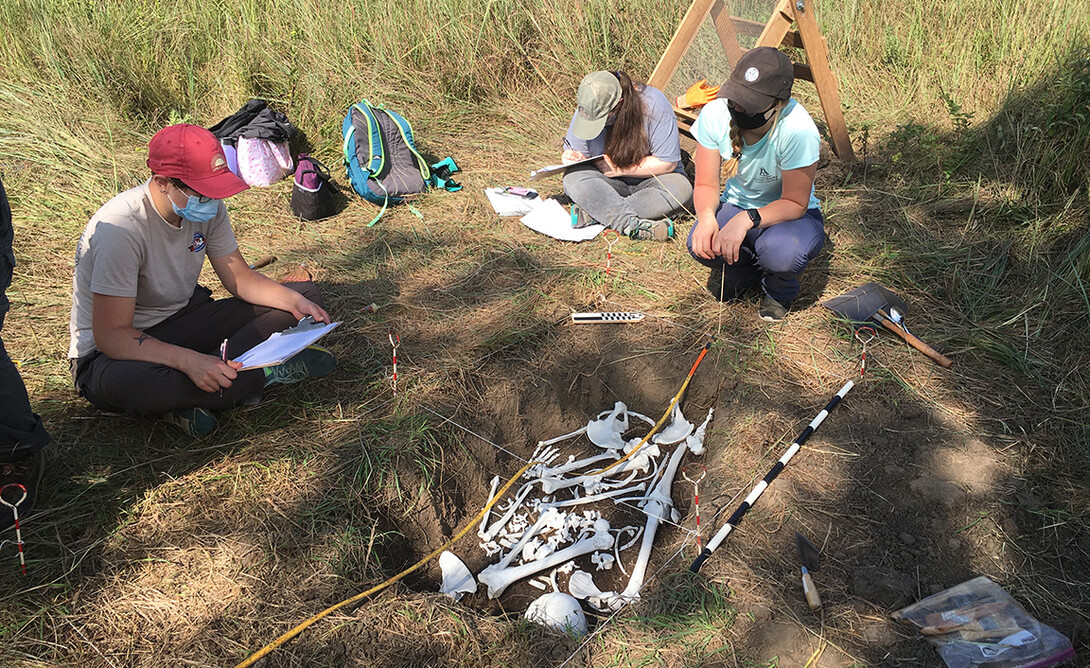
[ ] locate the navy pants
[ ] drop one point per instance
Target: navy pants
(772, 257)
(146, 388)
(21, 431)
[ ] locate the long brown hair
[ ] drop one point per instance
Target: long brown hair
(626, 138)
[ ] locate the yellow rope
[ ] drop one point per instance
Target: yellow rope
(358, 597)
(665, 416)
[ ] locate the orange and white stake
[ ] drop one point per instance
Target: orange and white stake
(15, 514)
(395, 341)
(696, 493)
(609, 246)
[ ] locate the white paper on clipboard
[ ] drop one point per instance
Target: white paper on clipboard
(549, 170)
(282, 346)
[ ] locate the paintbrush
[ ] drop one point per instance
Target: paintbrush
(810, 557)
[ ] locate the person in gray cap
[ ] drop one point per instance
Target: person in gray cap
(639, 181)
(766, 225)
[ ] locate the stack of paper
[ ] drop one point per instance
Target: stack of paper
(510, 205)
(552, 219)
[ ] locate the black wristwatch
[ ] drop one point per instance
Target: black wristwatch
(755, 216)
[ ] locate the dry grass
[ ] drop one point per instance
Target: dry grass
(154, 550)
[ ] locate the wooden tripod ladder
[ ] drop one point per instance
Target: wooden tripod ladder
(775, 33)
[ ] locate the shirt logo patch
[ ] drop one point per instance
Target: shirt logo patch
(764, 177)
(198, 243)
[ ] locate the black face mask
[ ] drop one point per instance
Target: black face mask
(750, 121)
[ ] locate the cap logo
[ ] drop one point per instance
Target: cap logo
(218, 163)
(752, 74)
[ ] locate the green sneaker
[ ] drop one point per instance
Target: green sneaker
(648, 230)
(579, 218)
(312, 362)
(196, 422)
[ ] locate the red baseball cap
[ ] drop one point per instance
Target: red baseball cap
(193, 155)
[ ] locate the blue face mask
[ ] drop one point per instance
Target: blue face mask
(195, 210)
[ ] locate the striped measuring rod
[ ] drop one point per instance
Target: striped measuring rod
(760, 487)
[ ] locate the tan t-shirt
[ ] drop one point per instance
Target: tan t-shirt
(129, 250)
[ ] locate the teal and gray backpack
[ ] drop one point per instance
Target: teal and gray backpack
(382, 161)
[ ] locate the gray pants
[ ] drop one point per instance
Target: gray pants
(615, 202)
(21, 430)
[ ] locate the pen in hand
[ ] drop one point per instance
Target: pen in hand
(223, 356)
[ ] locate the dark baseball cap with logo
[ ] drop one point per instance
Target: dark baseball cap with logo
(193, 155)
(762, 76)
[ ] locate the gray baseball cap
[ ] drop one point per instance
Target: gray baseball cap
(598, 93)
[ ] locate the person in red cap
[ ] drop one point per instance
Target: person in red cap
(765, 226)
(145, 337)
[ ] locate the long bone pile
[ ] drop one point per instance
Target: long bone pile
(533, 533)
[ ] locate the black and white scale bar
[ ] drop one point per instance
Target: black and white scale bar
(760, 487)
(619, 316)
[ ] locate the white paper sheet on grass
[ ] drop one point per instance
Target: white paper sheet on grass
(509, 205)
(282, 346)
(552, 219)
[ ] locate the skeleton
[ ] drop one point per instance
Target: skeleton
(658, 503)
(529, 546)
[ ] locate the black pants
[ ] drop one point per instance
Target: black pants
(21, 431)
(146, 388)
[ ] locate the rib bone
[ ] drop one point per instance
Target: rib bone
(481, 533)
(494, 530)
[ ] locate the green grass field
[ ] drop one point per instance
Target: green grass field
(970, 199)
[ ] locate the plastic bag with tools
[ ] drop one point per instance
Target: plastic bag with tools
(978, 624)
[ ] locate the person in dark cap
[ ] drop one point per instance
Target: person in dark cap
(640, 181)
(22, 435)
(146, 338)
(766, 225)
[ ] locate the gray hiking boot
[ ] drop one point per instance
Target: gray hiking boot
(650, 230)
(772, 310)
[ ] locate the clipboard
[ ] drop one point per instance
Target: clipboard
(549, 170)
(282, 346)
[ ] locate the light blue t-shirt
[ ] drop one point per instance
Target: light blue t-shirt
(793, 143)
(658, 122)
